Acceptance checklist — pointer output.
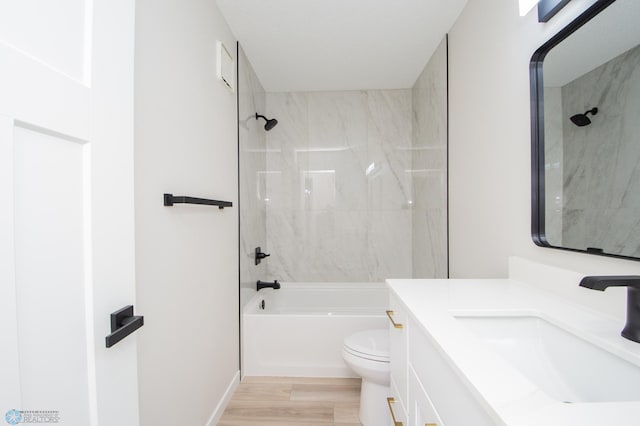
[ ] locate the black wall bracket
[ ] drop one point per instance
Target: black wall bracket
(170, 200)
(123, 323)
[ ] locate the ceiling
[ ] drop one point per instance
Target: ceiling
(315, 45)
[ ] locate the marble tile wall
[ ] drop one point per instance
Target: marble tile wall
(554, 121)
(601, 174)
(428, 171)
(253, 161)
(338, 187)
(350, 186)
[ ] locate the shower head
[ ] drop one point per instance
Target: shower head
(582, 120)
(270, 123)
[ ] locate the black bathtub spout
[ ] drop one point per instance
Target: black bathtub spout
(263, 284)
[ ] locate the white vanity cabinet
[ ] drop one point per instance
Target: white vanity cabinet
(502, 352)
(425, 388)
(398, 322)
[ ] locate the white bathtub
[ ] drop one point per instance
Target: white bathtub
(299, 332)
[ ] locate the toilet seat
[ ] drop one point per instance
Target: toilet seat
(369, 344)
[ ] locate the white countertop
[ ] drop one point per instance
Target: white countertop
(513, 399)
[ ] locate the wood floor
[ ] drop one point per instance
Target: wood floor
(282, 401)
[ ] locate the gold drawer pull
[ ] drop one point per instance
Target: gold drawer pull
(390, 401)
(395, 324)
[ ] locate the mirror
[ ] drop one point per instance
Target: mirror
(585, 103)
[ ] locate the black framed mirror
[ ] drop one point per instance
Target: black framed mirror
(585, 121)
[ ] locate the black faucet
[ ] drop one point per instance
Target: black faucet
(263, 284)
(631, 329)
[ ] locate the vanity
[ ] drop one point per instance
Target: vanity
(509, 352)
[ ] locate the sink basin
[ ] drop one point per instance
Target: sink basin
(563, 365)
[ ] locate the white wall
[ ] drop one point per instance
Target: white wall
(186, 255)
(489, 149)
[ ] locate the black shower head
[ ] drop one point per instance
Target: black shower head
(270, 123)
(582, 120)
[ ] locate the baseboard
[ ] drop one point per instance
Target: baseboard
(217, 413)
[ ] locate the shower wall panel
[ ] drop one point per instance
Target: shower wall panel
(429, 169)
(339, 185)
(351, 185)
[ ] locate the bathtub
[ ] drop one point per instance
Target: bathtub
(300, 330)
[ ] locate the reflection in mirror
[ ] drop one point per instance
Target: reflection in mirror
(586, 139)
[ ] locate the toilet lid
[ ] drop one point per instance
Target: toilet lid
(371, 344)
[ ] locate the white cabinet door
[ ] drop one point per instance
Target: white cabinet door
(421, 409)
(66, 215)
(455, 402)
(398, 332)
(397, 415)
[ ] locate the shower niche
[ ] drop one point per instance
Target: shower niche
(585, 105)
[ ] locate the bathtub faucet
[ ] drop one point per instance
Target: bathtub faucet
(263, 284)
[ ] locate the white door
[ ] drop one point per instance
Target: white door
(66, 211)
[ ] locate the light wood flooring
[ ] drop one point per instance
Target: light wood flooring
(282, 401)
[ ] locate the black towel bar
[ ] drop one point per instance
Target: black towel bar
(170, 200)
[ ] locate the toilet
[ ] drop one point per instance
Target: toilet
(367, 354)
